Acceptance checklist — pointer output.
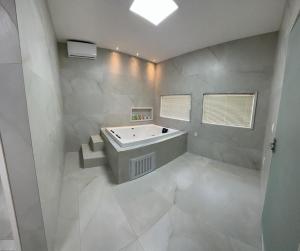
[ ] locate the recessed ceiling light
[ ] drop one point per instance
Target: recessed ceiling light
(155, 11)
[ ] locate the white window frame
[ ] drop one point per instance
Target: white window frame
(253, 114)
(170, 117)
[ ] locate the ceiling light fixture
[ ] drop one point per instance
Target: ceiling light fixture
(137, 54)
(117, 48)
(155, 11)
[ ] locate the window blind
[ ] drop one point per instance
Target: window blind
(176, 107)
(235, 110)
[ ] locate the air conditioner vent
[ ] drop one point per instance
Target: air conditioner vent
(142, 165)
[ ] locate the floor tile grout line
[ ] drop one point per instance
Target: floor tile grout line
(159, 218)
(138, 237)
(149, 227)
(135, 240)
(95, 211)
(78, 208)
(127, 220)
(144, 232)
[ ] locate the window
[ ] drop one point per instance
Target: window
(235, 110)
(176, 107)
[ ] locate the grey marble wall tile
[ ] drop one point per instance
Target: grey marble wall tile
(239, 66)
(101, 92)
(5, 227)
(9, 39)
(17, 145)
(10, 8)
(45, 106)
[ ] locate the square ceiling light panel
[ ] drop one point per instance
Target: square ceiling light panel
(155, 11)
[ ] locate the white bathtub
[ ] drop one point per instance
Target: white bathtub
(127, 136)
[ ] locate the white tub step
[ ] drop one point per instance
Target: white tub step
(96, 143)
(91, 158)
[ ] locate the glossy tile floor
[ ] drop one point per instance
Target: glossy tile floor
(190, 204)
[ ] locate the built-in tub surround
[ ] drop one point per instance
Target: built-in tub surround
(101, 92)
(127, 136)
(163, 148)
(241, 66)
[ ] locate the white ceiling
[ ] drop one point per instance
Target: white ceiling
(196, 24)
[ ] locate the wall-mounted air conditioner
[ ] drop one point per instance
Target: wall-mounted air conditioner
(82, 49)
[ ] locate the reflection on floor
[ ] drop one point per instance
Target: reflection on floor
(190, 204)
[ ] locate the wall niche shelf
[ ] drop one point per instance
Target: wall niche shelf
(141, 114)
